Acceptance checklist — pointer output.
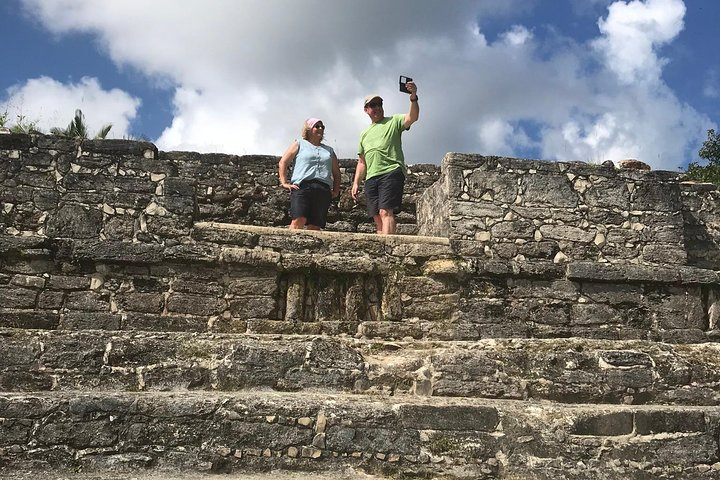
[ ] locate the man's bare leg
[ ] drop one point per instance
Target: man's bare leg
(387, 218)
(378, 224)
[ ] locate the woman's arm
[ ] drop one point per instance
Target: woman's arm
(283, 164)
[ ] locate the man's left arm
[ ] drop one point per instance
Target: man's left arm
(414, 113)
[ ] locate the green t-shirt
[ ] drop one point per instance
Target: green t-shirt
(381, 145)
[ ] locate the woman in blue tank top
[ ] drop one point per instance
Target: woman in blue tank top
(315, 177)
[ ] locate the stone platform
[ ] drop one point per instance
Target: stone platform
(553, 321)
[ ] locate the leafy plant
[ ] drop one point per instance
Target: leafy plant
(77, 128)
(710, 151)
(20, 126)
(137, 138)
(24, 126)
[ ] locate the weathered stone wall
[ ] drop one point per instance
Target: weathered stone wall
(221, 433)
(558, 370)
(559, 322)
(127, 190)
(508, 208)
(238, 279)
(701, 212)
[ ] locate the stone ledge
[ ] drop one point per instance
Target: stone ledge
(262, 430)
(205, 230)
(560, 370)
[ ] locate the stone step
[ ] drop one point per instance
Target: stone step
(243, 279)
(561, 370)
(259, 431)
(177, 474)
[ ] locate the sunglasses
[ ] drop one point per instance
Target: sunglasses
(319, 125)
(374, 105)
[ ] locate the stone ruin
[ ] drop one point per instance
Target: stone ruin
(535, 320)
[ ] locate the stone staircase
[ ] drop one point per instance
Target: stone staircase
(237, 349)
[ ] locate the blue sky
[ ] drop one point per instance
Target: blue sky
(585, 80)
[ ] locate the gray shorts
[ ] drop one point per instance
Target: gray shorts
(385, 191)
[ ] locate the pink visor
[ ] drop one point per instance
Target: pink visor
(310, 122)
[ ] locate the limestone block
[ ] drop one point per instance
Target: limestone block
(195, 304)
(254, 285)
(610, 193)
(422, 286)
(552, 190)
(427, 417)
(253, 307)
(94, 301)
(648, 423)
(391, 305)
(141, 302)
(633, 378)
(123, 252)
(664, 254)
(165, 323)
(260, 283)
(595, 314)
(519, 228)
(566, 232)
(503, 187)
(475, 210)
(436, 307)
(613, 294)
(609, 424)
(656, 196)
(75, 222)
(17, 297)
(678, 308)
(29, 319)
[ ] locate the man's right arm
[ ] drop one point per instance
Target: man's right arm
(414, 112)
(359, 176)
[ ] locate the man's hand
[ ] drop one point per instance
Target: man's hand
(412, 88)
(290, 186)
(359, 177)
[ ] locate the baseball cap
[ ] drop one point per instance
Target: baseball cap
(370, 98)
(310, 122)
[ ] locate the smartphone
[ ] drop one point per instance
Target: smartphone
(403, 81)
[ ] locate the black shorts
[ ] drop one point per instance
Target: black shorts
(311, 201)
(385, 191)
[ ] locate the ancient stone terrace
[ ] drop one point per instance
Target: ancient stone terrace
(535, 320)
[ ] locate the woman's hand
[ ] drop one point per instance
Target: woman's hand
(290, 186)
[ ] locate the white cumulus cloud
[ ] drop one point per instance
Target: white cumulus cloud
(245, 74)
(632, 33)
(47, 103)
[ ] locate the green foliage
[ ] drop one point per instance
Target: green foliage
(25, 126)
(711, 147)
(77, 128)
(137, 138)
(22, 125)
(710, 151)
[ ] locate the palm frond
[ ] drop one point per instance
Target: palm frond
(104, 131)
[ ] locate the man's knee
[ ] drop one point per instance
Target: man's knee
(386, 213)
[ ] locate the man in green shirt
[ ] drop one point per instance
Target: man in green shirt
(381, 162)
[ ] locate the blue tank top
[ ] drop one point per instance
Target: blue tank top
(312, 163)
